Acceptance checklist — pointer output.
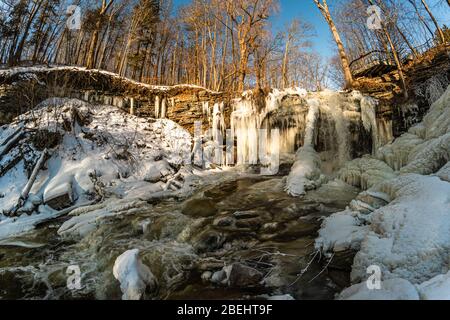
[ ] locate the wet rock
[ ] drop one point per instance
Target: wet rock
(240, 275)
(271, 227)
(296, 229)
(251, 224)
(207, 264)
(219, 277)
(226, 221)
(245, 214)
(199, 208)
(208, 241)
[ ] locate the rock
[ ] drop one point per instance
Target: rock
(219, 277)
(199, 208)
(208, 241)
(206, 276)
(240, 275)
(284, 297)
(245, 214)
(224, 221)
(271, 227)
(60, 197)
(251, 224)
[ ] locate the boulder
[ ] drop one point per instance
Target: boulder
(240, 275)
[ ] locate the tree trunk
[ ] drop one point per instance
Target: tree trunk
(439, 30)
(90, 64)
(395, 54)
(343, 56)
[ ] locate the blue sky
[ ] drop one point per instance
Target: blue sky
(307, 11)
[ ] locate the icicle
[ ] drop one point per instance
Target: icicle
(218, 124)
(311, 119)
(157, 106)
(369, 119)
(132, 106)
(205, 109)
(163, 108)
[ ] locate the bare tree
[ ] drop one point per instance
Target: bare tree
(439, 30)
(324, 9)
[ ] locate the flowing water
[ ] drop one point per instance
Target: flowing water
(249, 220)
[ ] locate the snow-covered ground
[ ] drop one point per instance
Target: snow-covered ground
(94, 152)
(401, 223)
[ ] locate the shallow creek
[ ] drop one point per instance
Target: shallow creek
(251, 221)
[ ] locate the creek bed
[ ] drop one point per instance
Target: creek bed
(250, 221)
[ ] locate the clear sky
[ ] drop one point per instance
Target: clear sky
(307, 11)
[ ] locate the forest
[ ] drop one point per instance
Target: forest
(221, 45)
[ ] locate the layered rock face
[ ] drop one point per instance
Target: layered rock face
(21, 89)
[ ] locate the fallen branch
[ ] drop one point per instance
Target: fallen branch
(37, 168)
(324, 268)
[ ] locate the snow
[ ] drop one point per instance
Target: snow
(341, 231)
(14, 226)
(86, 219)
(305, 173)
(102, 152)
(133, 275)
(402, 222)
(392, 289)
(437, 288)
(365, 172)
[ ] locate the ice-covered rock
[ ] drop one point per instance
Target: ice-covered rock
(134, 276)
(408, 236)
(437, 288)
(365, 172)
(88, 218)
(305, 173)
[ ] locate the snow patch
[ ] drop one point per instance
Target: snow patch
(133, 275)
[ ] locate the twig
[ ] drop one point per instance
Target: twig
(329, 261)
(306, 268)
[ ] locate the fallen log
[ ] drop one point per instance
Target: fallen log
(10, 142)
(37, 168)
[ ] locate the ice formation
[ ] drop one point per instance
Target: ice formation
(305, 173)
(133, 275)
(408, 236)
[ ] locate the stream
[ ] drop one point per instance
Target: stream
(250, 221)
